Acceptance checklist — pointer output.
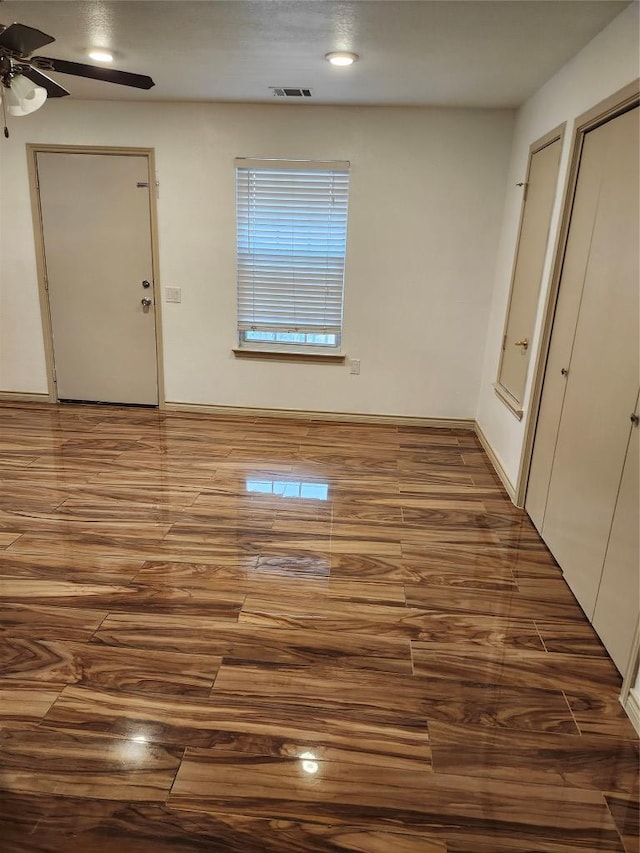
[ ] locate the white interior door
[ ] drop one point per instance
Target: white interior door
(576, 258)
(602, 380)
(525, 289)
(96, 225)
(618, 602)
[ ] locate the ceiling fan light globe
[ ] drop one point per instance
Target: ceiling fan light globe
(24, 97)
(99, 55)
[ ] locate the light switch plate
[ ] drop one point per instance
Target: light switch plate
(173, 294)
(354, 366)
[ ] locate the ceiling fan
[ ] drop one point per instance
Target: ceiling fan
(24, 84)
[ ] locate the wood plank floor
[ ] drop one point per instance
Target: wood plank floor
(256, 635)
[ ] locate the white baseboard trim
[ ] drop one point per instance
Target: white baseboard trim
(632, 708)
(24, 397)
(349, 417)
(502, 474)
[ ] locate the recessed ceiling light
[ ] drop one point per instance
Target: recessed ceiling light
(341, 58)
(101, 56)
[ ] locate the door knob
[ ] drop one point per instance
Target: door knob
(564, 371)
(635, 419)
(145, 302)
(524, 343)
(146, 284)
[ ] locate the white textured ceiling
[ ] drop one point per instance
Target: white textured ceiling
(476, 53)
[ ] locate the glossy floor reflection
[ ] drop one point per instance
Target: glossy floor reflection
(266, 635)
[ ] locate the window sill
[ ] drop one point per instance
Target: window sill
(289, 355)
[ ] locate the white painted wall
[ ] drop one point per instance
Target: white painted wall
(427, 197)
(22, 366)
(605, 65)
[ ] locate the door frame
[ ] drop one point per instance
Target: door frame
(620, 102)
(627, 699)
(33, 149)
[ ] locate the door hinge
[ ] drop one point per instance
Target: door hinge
(55, 375)
(142, 184)
(504, 343)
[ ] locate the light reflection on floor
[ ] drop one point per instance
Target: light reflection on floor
(290, 489)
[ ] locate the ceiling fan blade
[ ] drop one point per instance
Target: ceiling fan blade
(109, 75)
(40, 79)
(23, 40)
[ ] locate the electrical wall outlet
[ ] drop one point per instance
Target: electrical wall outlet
(354, 366)
(173, 294)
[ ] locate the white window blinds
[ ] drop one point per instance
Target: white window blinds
(291, 233)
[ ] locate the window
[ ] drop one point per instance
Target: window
(291, 233)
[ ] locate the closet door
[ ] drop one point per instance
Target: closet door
(602, 374)
(576, 257)
(618, 601)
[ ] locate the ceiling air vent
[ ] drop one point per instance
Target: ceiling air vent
(290, 92)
